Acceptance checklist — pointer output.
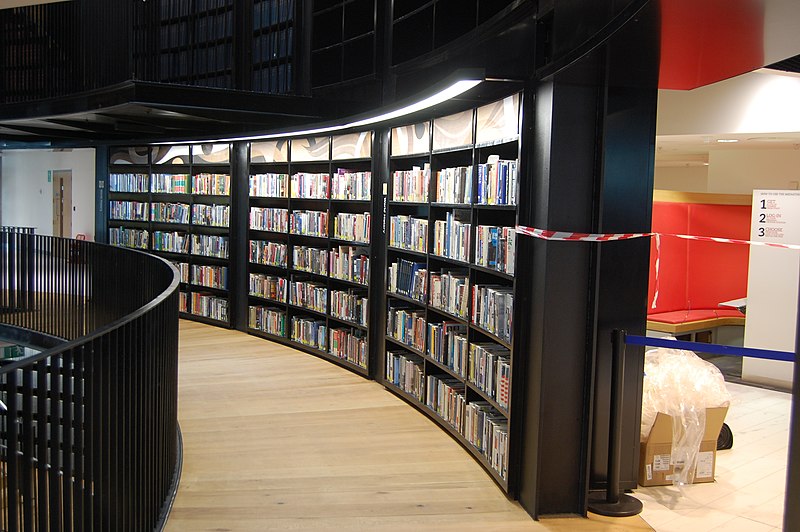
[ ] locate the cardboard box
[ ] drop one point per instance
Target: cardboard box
(655, 460)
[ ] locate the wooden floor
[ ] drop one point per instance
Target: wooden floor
(275, 439)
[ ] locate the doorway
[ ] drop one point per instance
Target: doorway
(62, 203)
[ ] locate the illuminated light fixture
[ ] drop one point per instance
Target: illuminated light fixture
(451, 91)
(727, 140)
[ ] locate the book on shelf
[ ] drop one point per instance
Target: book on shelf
(268, 319)
(446, 396)
(210, 276)
(309, 294)
(350, 345)
(268, 286)
(311, 332)
(270, 185)
(487, 430)
(174, 213)
(350, 263)
(448, 345)
(309, 223)
(405, 370)
(310, 186)
(131, 238)
(449, 291)
(268, 253)
(352, 226)
(454, 185)
(135, 211)
(271, 219)
(351, 185)
(130, 182)
(406, 325)
(211, 184)
(409, 279)
(308, 259)
(183, 270)
(210, 306)
(492, 309)
(173, 242)
(169, 183)
(408, 232)
(411, 185)
(350, 305)
(210, 246)
(183, 302)
(211, 215)
(489, 369)
(495, 247)
(497, 182)
(451, 236)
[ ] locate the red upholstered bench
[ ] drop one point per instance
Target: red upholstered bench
(687, 321)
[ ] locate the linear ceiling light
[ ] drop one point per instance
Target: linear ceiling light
(457, 88)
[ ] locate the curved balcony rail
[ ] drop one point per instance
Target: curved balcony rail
(89, 436)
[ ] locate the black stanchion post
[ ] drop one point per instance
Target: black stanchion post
(613, 503)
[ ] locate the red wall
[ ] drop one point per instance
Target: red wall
(698, 275)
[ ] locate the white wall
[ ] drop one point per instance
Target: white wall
(757, 102)
(27, 196)
(742, 171)
(681, 178)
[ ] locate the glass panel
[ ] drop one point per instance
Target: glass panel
(353, 146)
(269, 151)
(452, 131)
(211, 153)
(171, 155)
(407, 140)
(311, 149)
(498, 121)
(132, 155)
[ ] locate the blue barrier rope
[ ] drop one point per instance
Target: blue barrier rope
(714, 349)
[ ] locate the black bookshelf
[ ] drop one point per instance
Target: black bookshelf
(312, 198)
(174, 201)
(451, 183)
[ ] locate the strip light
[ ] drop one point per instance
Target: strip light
(457, 88)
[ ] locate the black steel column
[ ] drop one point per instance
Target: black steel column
(237, 261)
(377, 279)
(587, 159)
(101, 194)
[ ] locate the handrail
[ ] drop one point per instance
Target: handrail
(90, 439)
(173, 286)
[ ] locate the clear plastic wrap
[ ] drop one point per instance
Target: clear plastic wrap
(682, 385)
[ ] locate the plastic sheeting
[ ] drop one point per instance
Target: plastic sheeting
(682, 385)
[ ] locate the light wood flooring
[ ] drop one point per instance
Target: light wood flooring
(276, 439)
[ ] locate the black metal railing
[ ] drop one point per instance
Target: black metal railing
(88, 427)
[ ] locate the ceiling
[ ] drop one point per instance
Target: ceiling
(693, 150)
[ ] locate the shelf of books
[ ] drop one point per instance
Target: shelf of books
(450, 241)
(175, 201)
(309, 245)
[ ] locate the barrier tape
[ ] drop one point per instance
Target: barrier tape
(566, 236)
(713, 349)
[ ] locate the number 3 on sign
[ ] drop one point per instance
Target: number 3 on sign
(761, 231)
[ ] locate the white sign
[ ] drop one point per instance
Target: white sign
(772, 285)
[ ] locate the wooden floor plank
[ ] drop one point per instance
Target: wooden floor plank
(275, 439)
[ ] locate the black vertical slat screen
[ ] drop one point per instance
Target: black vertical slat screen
(64, 48)
(88, 439)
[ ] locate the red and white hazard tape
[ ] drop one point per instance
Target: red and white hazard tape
(568, 236)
